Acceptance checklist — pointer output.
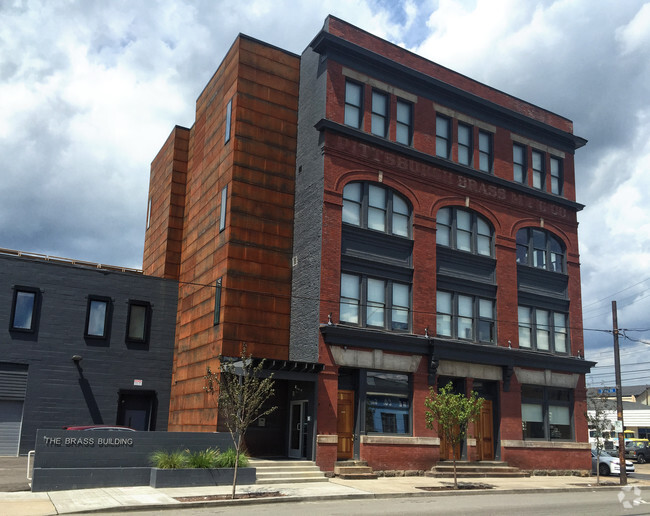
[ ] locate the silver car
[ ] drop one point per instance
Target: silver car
(609, 463)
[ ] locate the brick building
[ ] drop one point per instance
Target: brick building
(374, 224)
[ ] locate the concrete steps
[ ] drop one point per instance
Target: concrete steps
(286, 471)
(483, 469)
(353, 470)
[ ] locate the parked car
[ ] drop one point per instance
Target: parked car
(609, 463)
(114, 428)
(638, 450)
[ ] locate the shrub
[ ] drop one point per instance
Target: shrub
(169, 460)
(227, 459)
(207, 458)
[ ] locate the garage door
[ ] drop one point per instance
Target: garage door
(11, 415)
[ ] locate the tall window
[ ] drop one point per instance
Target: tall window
(485, 151)
(404, 122)
(353, 104)
(556, 176)
(388, 403)
(224, 206)
(543, 330)
(24, 309)
(97, 317)
(464, 144)
(546, 413)
(465, 317)
(519, 163)
(149, 213)
(228, 121)
(375, 207)
(539, 248)
(374, 302)
(379, 122)
(138, 321)
(464, 230)
(539, 179)
(443, 137)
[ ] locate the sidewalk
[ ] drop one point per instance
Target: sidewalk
(124, 498)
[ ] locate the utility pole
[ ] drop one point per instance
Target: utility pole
(619, 398)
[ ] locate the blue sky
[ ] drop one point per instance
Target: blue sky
(89, 91)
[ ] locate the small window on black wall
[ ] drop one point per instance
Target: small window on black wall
(138, 322)
(98, 317)
(24, 310)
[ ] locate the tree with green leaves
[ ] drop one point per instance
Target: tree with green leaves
(598, 411)
(241, 392)
(453, 412)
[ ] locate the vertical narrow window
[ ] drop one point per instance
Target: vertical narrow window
(443, 227)
(217, 301)
(379, 120)
(400, 221)
(539, 248)
(400, 308)
(485, 151)
(138, 321)
(352, 203)
(149, 213)
(556, 259)
(353, 104)
(522, 246)
(444, 313)
(465, 317)
(538, 170)
(443, 140)
(224, 206)
(556, 176)
(464, 144)
(404, 122)
(24, 308)
(376, 208)
(483, 237)
(228, 121)
(560, 332)
(525, 327)
(463, 230)
(543, 333)
(97, 317)
(350, 299)
(486, 320)
(376, 303)
(519, 163)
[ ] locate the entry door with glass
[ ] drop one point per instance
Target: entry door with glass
(298, 429)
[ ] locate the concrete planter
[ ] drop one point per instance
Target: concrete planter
(200, 477)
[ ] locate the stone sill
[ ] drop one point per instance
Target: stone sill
(559, 445)
(327, 439)
(404, 441)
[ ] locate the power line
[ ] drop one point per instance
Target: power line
(607, 298)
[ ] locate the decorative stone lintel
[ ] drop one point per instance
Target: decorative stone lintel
(515, 443)
(402, 441)
(327, 439)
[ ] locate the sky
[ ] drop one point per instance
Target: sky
(90, 90)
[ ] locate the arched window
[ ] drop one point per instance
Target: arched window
(464, 230)
(376, 207)
(539, 248)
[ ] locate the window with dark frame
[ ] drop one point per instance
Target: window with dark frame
(485, 155)
(541, 329)
(546, 413)
(464, 230)
(557, 180)
(443, 137)
(224, 206)
(353, 104)
(375, 207)
(98, 317)
(374, 302)
(465, 317)
(387, 403)
(228, 121)
(539, 177)
(541, 249)
(138, 321)
(465, 150)
(404, 122)
(519, 163)
(217, 301)
(24, 309)
(149, 213)
(379, 119)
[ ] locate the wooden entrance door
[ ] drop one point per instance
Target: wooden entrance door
(345, 424)
(485, 432)
(446, 448)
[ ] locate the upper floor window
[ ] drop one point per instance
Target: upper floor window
(556, 176)
(24, 309)
(539, 248)
(224, 207)
(374, 302)
(149, 213)
(353, 104)
(376, 207)
(519, 163)
(379, 120)
(464, 144)
(404, 122)
(465, 317)
(539, 177)
(485, 154)
(443, 137)
(97, 317)
(228, 121)
(464, 230)
(543, 330)
(138, 321)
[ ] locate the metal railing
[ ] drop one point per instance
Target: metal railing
(69, 261)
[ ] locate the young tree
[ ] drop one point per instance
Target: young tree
(453, 413)
(240, 397)
(598, 409)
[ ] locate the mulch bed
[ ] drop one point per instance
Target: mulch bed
(461, 485)
(241, 496)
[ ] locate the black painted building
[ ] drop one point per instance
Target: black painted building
(81, 344)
